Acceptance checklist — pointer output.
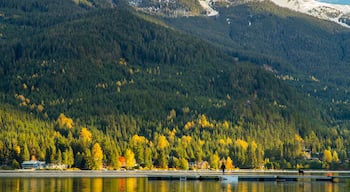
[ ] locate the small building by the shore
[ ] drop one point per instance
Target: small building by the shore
(33, 164)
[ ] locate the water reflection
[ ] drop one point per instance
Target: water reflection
(142, 185)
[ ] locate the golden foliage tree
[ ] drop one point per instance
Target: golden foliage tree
(172, 135)
(327, 156)
(136, 140)
(225, 124)
(241, 143)
(162, 142)
(189, 125)
(85, 135)
(17, 149)
(335, 157)
(129, 159)
(64, 122)
(97, 156)
(203, 121)
(214, 161)
(229, 163)
(298, 138)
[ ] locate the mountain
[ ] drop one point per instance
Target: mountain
(101, 76)
(129, 66)
(337, 13)
(333, 12)
(304, 51)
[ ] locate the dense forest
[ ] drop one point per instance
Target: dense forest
(130, 142)
(306, 52)
(101, 85)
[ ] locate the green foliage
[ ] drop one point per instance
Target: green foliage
(293, 45)
(78, 76)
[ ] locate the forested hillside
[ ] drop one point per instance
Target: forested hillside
(308, 53)
(86, 84)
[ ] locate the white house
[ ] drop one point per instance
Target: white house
(33, 164)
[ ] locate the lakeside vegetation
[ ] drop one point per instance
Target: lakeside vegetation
(119, 144)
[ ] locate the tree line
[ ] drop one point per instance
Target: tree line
(89, 146)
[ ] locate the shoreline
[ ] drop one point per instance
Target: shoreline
(150, 173)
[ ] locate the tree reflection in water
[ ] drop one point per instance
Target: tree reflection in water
(143, 185)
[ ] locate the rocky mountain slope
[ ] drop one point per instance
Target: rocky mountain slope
(333, 12)
(326, 11)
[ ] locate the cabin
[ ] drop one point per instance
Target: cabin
(33, 164)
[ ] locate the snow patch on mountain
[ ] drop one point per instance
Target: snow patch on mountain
(207, 6)
(333, 12)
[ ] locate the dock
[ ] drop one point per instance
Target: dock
(256, 178)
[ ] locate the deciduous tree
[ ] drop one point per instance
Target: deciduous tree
(130, 159)
(97, 156)
(327, 155)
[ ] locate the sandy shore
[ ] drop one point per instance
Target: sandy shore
(145, 173)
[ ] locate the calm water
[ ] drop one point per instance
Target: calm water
(342, 2)
(143, 185)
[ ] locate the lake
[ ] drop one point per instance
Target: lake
(341, 2)
(142, 184)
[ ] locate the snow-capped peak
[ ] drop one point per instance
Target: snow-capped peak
(333, 12)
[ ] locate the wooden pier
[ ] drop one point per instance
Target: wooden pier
(256, 178)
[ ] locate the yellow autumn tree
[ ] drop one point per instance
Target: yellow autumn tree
(225, 124)
(335, 156)
(241, 143)
(129, 159)
(229, 163)
(162, 142)
(229, 141)
(298, 138)
(327, 155)
(17, 149)
(172, 135)
(214, 161)
(64, 122)
(138, 140)
(189, 125)
(254, 146)
(97, 156)
(222, 142)
(85, 135)
(203, 121)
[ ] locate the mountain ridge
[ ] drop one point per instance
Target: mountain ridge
(333, 12)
